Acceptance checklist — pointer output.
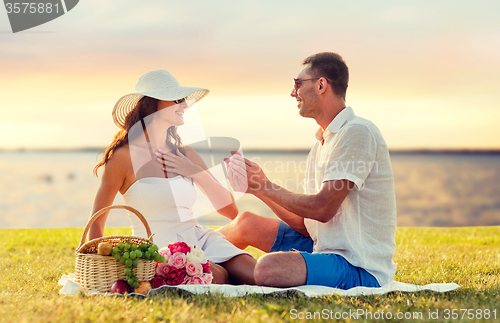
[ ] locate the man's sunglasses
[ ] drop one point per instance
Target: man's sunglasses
(298, 82)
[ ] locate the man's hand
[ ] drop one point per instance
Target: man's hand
(244, 175)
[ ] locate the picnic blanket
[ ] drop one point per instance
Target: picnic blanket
(72, 288)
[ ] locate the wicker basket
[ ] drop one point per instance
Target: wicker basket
(98, 273)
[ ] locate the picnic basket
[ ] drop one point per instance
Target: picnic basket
(98, 273)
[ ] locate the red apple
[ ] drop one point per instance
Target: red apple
(120, 287)
(144, 288)
(157, 282)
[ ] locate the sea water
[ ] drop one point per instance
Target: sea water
(57, 189)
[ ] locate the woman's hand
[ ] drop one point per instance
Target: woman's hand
(246, 176)
(176, 162)
(237, 173)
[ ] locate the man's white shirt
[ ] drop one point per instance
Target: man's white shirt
(363, 229)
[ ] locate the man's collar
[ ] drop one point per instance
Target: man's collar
(337, 123)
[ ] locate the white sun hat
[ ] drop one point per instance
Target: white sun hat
(159, 84)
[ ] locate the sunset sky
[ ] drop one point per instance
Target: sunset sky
(427, 73)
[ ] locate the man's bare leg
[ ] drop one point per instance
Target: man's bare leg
(274, 269)
(249, 229)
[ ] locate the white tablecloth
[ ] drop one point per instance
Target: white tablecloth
(72, 288)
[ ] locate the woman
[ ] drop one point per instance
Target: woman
(156, 174)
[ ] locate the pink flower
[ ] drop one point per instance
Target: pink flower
(206, 267)
(195, 280)
(177, 260)
(207, 278)
(162, 269)
(165, 252)
(179, 246)
(176, 276)
(184, 264)
(193, 269)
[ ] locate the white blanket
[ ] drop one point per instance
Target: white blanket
(72, 288)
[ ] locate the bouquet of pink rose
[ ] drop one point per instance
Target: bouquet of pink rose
(183, 265)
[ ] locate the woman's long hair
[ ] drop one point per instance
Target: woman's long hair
(145, 107)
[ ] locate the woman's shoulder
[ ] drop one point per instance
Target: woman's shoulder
(120, 158)
(117, 166)
(121, 152)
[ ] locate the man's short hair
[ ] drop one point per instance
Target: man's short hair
(330, 66)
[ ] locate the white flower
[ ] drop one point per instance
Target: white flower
(196, 255)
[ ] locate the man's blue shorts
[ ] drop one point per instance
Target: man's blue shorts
(322, 269)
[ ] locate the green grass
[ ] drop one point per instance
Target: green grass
(33, 260)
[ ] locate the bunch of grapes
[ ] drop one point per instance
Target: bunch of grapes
(128, 254)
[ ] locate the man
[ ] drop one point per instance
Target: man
(344, 225)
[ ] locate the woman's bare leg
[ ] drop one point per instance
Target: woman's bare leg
(219, 273)
(240, 269)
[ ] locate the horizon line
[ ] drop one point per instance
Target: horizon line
(482, 151)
